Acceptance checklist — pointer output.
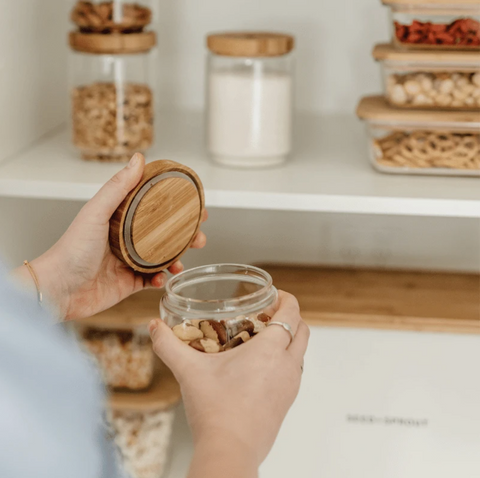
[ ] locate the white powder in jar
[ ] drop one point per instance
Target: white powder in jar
(250, 117)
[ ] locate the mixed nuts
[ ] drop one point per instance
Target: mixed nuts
(213, 336)
(101, 17)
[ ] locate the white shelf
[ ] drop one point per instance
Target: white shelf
(329, 173)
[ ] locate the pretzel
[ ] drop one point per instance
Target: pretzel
(426, 149)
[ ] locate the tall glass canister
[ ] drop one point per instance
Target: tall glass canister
(249, 98)
(112, 95)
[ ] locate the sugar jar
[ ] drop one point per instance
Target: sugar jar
(249, 98)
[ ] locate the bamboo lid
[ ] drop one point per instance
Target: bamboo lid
(433, 3)
(137, 310)
(115, 43)
(162, 395)
(375, 108)
(386, 51)
(156, 223)
(250, 44)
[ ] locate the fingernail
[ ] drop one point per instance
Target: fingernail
(133, 161)
(152, 327)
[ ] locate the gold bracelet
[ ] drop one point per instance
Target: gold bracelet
(35, 279)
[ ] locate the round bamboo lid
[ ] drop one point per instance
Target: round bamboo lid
(386, 51)
(115, 43)
(250, 44)
(159, 219)
(162, 395)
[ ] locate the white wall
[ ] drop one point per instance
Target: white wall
(31, 226)
(33, 75)
(334, 41)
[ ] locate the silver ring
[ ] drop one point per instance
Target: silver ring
(286, 327)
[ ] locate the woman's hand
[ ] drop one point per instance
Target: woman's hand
(236, 401)
(79, 274)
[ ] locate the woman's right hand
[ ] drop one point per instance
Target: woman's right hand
(237, 399)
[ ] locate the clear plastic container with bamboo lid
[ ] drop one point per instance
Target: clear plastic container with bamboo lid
(435, 24)
(249, 98)
(119, 341)
(141, 425)
(115, 16)
(112, 94)
(421, 141)
(430, 79)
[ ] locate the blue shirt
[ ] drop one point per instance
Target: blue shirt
(51, 398)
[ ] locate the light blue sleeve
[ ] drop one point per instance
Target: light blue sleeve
(51, 399)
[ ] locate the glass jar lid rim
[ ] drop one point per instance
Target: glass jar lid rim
(196, 270)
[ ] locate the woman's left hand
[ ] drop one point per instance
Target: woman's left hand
(79, 274)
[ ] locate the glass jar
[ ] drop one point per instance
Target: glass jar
(249, 98)
(430, 79)
(117, 16)
(218, 307)
(421, 142)
(124, 355)
(436, 24)
(141, 426)
(112, 98)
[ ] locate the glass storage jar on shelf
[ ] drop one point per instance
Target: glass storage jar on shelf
(112, 94)
(119, 341)
(430, 79)
(435, 24)
(249, 98)
(218, 307)
(141, 425)
(117, 16)
(421, 141)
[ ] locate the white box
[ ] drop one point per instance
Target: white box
(382, 404)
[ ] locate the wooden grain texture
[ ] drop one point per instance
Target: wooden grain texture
(452, 59)
(117, 221)
(443, 47)
(134, 311)
(250, 44)
(433, 3)
(165, 220)
(162, 395)
(375, 108)
(115, 43)
(400, 300)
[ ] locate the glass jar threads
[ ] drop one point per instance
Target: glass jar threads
(249, 98)
(218, 307)
(112, 94)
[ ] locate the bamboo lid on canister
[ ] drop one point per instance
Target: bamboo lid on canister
(376, 109)
(157, 222)
(250, 44)
(162, 395)
(115, 43)
(451, 59)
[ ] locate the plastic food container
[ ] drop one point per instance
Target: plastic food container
(141, 426)
(118, 16)
(119, 341)
(430, 79)
(112, 95)
(249, 98)
(421, 141)
(435, 24)
(218, 307)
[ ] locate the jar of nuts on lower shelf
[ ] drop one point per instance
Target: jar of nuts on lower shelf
(112, 94)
